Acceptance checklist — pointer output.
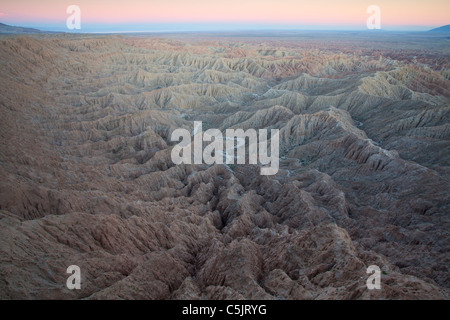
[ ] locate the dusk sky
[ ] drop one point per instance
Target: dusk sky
(182, 15)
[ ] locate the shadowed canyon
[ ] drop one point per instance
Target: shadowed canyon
(87, 178)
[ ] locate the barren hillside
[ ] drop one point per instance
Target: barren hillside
(87, 178)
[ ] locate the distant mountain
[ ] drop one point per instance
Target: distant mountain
(445, 29)
(6, 29)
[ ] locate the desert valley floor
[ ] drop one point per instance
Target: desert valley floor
(87, 178)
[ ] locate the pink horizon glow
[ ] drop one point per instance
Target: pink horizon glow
(319, 12)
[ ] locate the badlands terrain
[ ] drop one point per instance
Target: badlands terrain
(87, 178)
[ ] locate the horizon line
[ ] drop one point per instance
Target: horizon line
(176, 27)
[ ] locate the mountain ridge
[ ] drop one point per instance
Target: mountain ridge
(442, 29)
(8, 29)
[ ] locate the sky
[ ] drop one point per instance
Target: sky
(214, 15)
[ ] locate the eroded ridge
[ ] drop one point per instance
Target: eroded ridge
(87, 177)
